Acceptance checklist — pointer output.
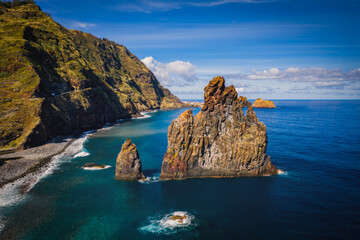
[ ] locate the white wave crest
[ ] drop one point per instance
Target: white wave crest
(170, 223)
(153, 179)
(282, 172)
(96, 168)
(13, 193)
(82, 154)
(142, 116)
(145, 114)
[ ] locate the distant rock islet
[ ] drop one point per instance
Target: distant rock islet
(261, 103)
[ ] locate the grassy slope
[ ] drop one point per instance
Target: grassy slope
(54, 80)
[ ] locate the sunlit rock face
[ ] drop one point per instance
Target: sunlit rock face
(261, 103)
(220, 141)
(128, 163)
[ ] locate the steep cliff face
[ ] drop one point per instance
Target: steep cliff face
(54, 80)
(128, 163)
(220, 141)
(261, 103)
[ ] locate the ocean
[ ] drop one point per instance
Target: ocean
(316, 144)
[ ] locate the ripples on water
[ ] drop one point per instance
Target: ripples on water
(315, 143)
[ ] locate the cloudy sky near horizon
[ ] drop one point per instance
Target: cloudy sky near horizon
(276, 49)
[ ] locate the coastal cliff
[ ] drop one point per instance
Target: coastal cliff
(54, 81)
(220, 141)
(128, 163)
(261, 103)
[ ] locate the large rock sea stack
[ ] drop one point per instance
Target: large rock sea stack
(220, 141)
(128, 163)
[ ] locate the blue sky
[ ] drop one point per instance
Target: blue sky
(276, 49)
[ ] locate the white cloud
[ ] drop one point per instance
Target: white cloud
(335, 85)
(240, 90)
(319, 77)
(83, 24)
(177, 73)
(76, 24)
(148, 6)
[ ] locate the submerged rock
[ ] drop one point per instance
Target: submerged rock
(128, 163)
(94, 166)
(179, 218)
(220, 141)
(261, 103)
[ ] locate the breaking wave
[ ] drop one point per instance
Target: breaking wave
(281, 172)
(14, 192)
(170, 223)
(153, 179)
(145, 114)
(82, 154)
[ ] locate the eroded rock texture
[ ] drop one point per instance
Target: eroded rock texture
(128, 163)
(220, 141)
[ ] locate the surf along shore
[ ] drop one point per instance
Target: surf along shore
(17, 164)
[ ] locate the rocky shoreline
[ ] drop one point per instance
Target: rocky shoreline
(16, 165)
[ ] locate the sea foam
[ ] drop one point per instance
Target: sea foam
(153, 179)
(282, 172)
(82, 154)
(95, 169)
(145, 114)
(170, 223)
(14, 192)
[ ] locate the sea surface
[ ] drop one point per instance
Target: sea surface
(316, 143)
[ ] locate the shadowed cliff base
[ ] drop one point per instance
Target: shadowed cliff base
(220, 141)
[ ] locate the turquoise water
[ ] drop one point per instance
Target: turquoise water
(316, 142)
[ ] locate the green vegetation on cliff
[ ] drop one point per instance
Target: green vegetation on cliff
(54, 80)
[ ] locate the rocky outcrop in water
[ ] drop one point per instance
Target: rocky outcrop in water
(128, 163)
(261, 103)
(220, 141)
(94, 166)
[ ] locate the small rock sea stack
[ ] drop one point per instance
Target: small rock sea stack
(220, 141)
(94, 166)
(261, 103)
(128, 163)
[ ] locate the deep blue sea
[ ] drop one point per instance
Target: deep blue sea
(317, 144)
